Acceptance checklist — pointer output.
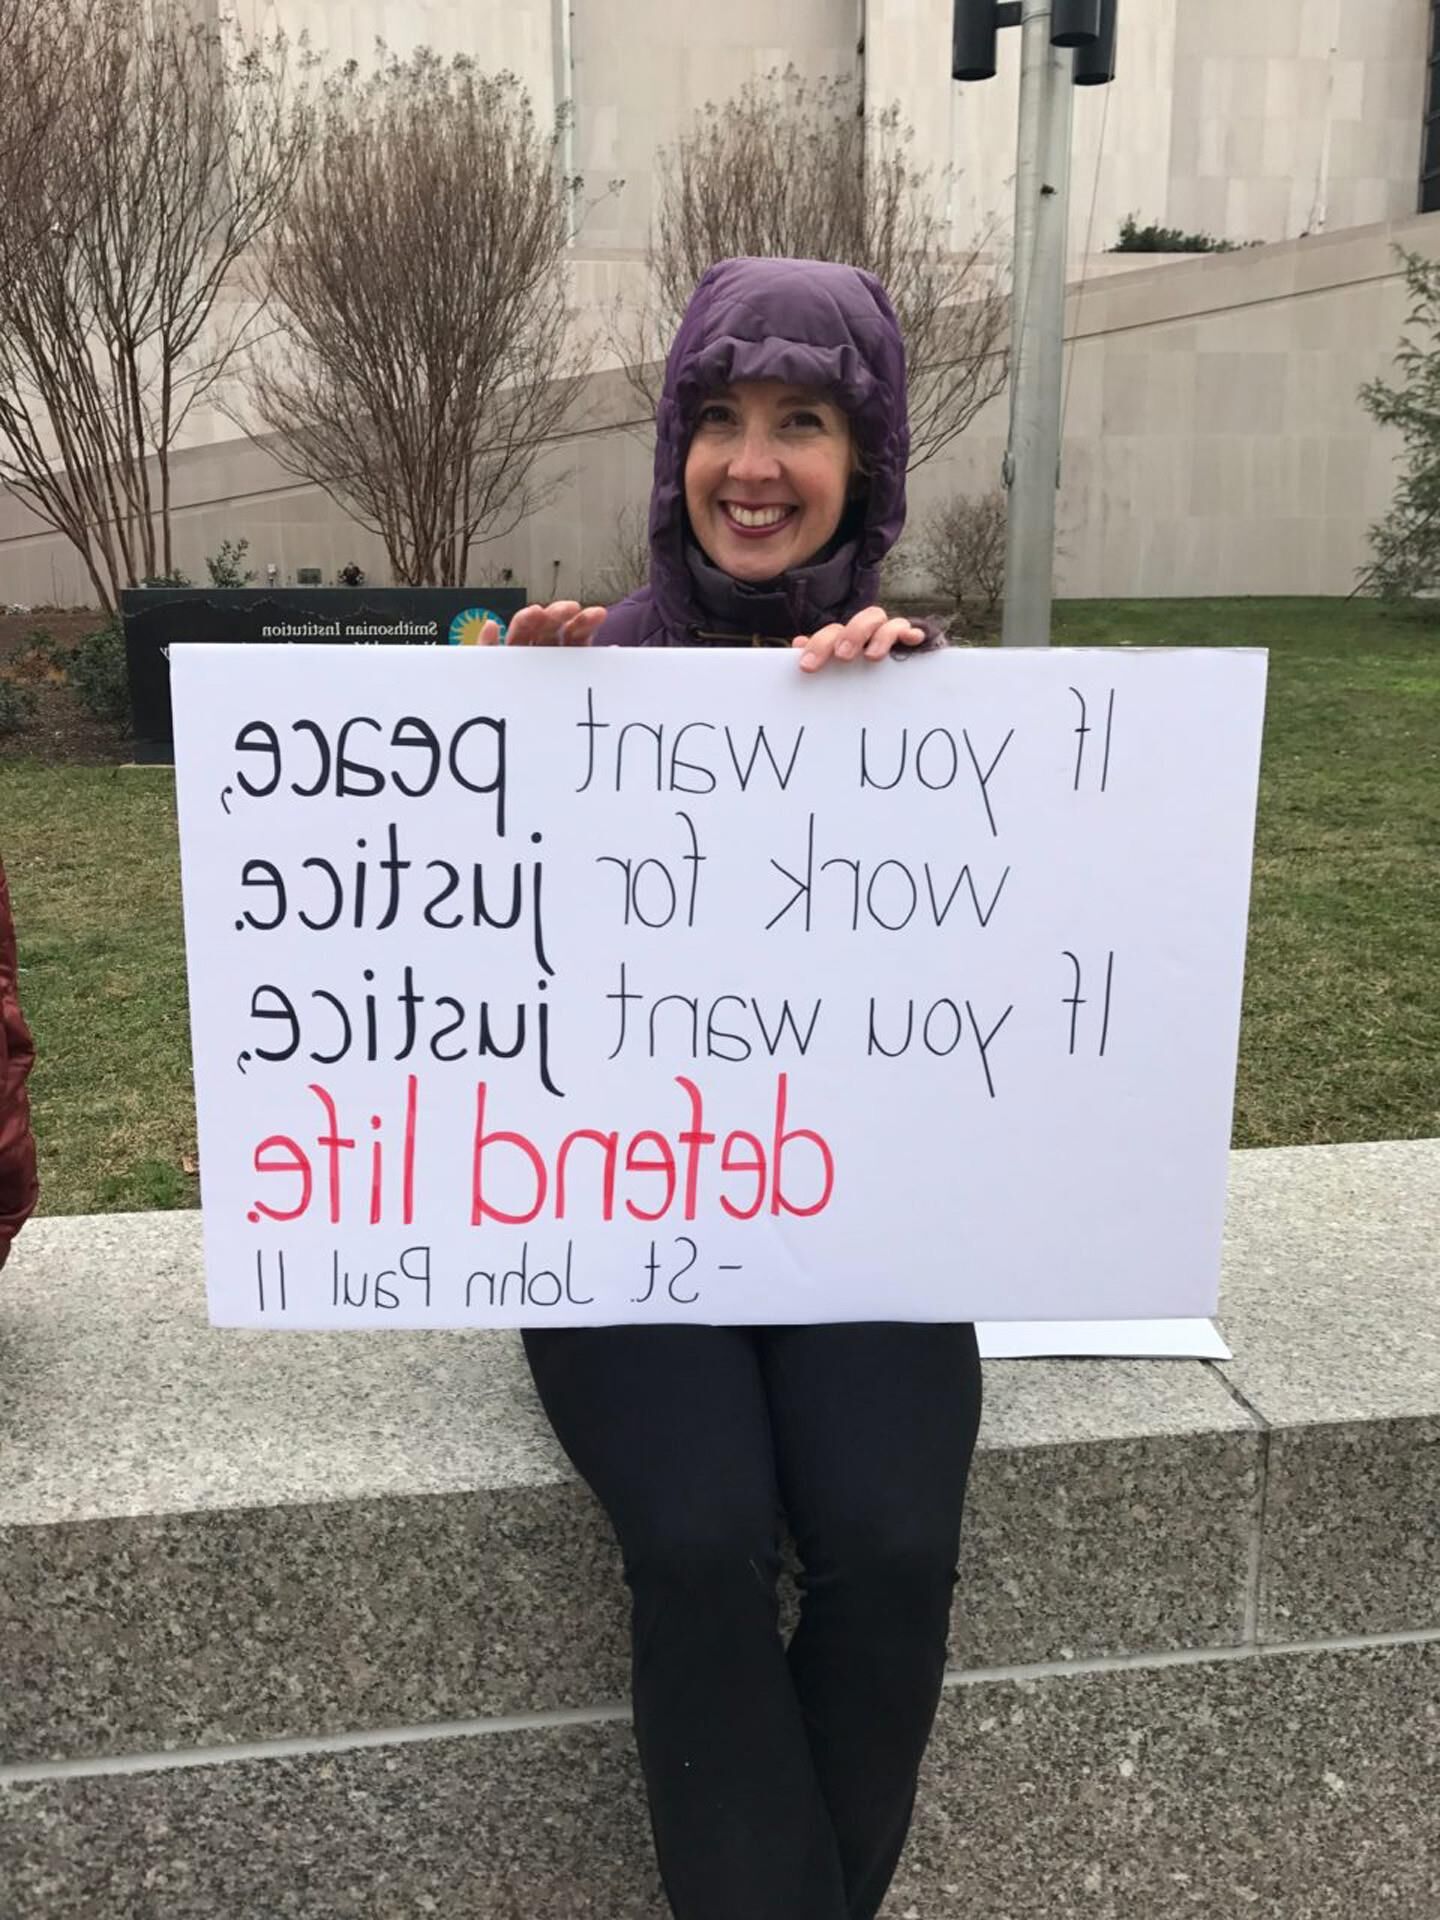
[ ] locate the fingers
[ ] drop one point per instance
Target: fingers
(871, 633)
(818, 647)
(564, 623)
(540, 626)
(580, 631)
(893, 633)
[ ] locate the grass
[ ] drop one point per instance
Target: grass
(1341, 1037)
(1341, 1031)
(94, 870)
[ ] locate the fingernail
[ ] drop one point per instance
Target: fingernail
(809, 659)
(847, 650)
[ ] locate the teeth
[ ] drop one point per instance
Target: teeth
(757, 516)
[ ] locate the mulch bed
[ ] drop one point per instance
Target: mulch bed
(62, 732)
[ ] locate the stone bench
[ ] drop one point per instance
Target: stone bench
(323, 1624)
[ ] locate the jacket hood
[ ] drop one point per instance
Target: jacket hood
(810, 323)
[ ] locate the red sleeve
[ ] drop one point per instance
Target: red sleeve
(18, 1186)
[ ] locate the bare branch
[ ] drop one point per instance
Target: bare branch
(425, 353)
(159, 156)
(791, 167)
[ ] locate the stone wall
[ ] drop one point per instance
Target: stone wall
(1213, 445)
(316, 1624)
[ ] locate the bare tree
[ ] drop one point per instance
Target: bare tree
(136, 186)
(795, 167)
(32, 81)
(628, 564)
(960, 546)
(419, 276)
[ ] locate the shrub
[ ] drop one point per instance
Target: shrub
(961, 547)
(99, 674)
(1405, 545)
(629, 563)
(40, 658)
(227, 567)
(900, 576)
(1157, 239)
(17, 707)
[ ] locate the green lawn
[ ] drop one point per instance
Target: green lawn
(1341, 1038)
(94, 870)
(1341, 1034)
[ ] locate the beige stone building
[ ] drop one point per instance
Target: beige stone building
(1213, 443)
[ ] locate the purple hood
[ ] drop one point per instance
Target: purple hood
(814, 324)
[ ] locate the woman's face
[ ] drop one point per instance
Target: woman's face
(767, 476)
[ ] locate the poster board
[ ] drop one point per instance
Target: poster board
(563, 987)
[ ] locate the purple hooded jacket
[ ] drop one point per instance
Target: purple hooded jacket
(814, 324)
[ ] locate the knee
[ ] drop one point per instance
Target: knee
(883, 1554)
(707, 1555)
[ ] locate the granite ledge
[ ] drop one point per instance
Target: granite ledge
(1329, 1297)
(108, 1312)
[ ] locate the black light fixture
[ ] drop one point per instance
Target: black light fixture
(972, 51)
(1085, 26)
(1095, 63)
(1074, 23)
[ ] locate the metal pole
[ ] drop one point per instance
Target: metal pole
(1042, 202)
(1034, 57)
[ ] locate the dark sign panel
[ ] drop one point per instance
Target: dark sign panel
(158, 618)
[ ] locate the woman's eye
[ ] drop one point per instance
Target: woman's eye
(715, 415)
(805, 419)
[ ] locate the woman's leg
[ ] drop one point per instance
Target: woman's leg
(669, 1426)
(875, 1425)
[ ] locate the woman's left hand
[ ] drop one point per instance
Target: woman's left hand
(871, 634)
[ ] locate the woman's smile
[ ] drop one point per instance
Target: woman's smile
(756, 523)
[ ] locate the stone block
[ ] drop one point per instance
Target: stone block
(1293, 1787)
(1351, 1541)
(154, 1632)
(1331, 1265)
(1329, 1302)
(1115, 1548)
(299, 1534)
(1239, 393)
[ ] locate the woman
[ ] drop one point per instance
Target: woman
(780, 1780)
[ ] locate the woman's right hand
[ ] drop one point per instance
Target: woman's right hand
(564, 623)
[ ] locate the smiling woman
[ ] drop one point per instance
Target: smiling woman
(767, 477)
(781, 450)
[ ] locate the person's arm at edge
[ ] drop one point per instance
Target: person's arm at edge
(19, 1187)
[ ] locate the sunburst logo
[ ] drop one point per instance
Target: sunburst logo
(466, 627)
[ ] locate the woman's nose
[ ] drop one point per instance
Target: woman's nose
(754, 459)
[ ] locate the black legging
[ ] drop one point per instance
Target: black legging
(781, 1781)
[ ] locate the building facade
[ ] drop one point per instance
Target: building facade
(1311, 126)
(1247, 119)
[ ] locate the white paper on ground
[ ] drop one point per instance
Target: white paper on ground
(1101, 1339)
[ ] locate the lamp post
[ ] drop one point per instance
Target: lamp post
(1063, 43)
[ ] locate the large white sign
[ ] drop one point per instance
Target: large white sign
(561, 987)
